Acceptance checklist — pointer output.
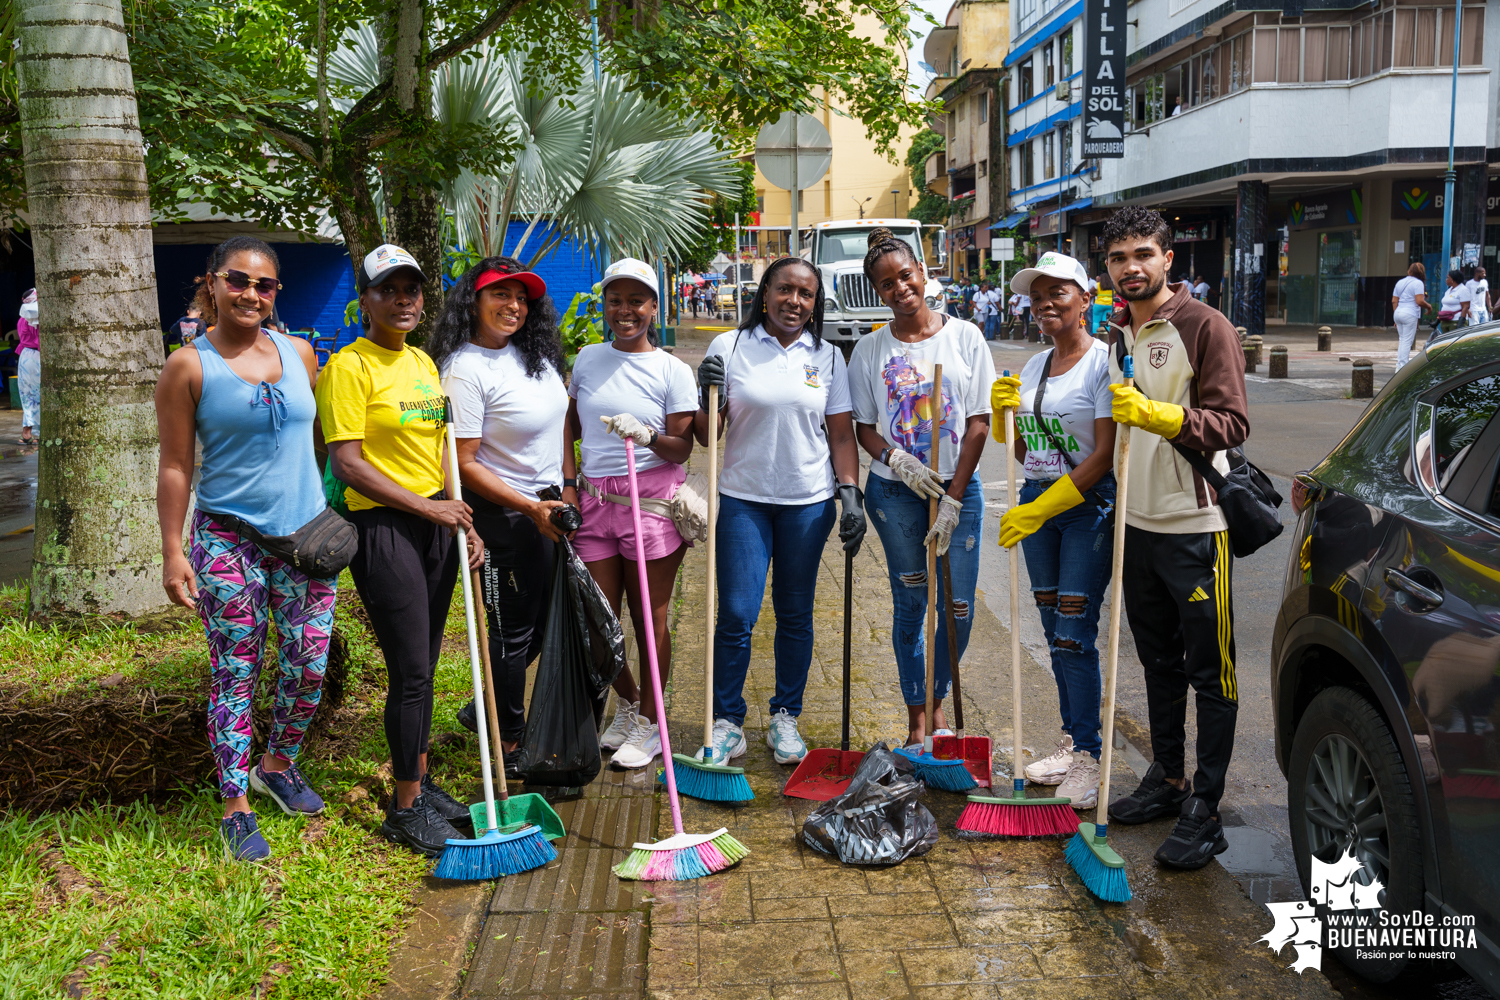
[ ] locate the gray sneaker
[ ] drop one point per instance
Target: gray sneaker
(1081, 783)
(784, 740)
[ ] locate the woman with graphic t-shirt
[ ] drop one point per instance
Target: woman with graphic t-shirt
(784, 393)
(380, 403)
(500, 354)
(1066, 443)
(890, 384)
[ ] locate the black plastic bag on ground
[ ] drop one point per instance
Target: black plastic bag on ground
(877, 820)
(583, 649)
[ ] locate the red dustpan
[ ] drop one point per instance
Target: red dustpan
(826, 773)
(975, 751)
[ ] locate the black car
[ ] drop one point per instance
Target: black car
(1384, 664)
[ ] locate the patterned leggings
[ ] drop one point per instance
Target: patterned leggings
(238, 582)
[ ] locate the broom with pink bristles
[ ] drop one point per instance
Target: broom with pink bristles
(1016, 816)
(681, 856)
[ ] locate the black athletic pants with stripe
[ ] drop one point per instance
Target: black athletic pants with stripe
(1178, 597)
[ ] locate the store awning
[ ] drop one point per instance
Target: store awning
(1010, 221)
(1076, 206)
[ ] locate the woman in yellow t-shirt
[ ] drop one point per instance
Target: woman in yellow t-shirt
(380, 403)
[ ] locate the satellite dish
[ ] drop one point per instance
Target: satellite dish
(773, 151)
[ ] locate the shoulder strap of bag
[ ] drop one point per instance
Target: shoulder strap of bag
(1036, 409)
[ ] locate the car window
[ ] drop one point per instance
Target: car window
(1459, 416)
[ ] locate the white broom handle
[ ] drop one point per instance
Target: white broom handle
(935, 413)
(1018, 772)
(713, 568)
(1116, 608)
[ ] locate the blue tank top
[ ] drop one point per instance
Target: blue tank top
(258, 461)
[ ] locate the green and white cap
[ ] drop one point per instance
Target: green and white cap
(1054, 265)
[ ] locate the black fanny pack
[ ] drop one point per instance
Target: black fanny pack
(320, 548)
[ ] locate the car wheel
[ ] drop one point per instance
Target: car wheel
(1347, 786)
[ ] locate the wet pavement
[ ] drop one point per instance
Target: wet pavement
(17, 500)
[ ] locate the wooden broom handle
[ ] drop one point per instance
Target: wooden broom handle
(489, 687)
(1116, 602)
(935, 423)
(713, 580)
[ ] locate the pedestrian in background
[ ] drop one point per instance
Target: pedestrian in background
(1454, 310)
(29, 367)
(630, 388)
(1200, 290)
(381, 406)
(498, 349)
(1408, 302)
(185, 329)
(258, 477)
(982, 309)
(895, 402)
(1479, 297)
(1189, 390)
(790, 448)
(1062, 518)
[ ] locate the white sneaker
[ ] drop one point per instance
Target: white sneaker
(784, 740)
(641, 747)
(619, 730)
(1081, 784)
(729, 743)
(1050, 770)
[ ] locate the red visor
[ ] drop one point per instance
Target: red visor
(535, 286)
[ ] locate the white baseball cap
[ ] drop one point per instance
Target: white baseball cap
(629, 267)
(1054, 265)
(383, 260)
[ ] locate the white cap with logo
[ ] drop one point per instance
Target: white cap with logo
(387, 258)
(629, 267)
(1052, 264)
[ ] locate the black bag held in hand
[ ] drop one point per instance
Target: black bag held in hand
(582, 651)
(320, 548)
(877, 820)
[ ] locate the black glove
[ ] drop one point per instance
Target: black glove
(710, 372)
(852, 524)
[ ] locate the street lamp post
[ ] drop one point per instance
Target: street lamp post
(1448, 178)
(861, 204)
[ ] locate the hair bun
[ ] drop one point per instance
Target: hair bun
(879, 235)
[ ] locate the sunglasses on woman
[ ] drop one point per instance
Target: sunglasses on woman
(238, 281)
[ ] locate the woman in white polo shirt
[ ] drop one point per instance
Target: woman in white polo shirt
(790, 448)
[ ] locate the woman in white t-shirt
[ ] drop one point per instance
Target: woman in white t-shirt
(1408, 302)
(891, 386)
(789, 450)
(497, 347)
(1065, 440)
(1454, 310)
(630, 388)
(1479, 298)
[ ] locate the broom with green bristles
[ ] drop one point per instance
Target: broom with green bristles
(1103, 870)
(682, 856)
(703, 779)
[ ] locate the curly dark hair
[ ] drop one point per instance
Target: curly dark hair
(203, 298)
(537, 341)
(757, 314)
(882, 242)
(1137, 221)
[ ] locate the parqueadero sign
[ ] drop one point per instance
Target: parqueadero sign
(1104, 79)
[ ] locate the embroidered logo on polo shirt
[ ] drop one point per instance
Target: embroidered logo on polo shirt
(810, 376)
(1157, 353)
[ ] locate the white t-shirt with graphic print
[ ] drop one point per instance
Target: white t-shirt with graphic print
(1071, 404)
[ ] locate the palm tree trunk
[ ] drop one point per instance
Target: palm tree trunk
(416, 210)
(97, 548)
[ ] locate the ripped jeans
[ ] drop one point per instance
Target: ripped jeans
(1068, 559)
(900, 519)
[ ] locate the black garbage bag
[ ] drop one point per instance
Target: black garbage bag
(877, 820)
(583, 649)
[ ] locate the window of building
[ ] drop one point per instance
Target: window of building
(1027, 154)
(1048, 77)
(962, 107)
(1025, 74)
(1049, 156)
(1065, 54)
(760, 201)
(801, 201)
(984, 107)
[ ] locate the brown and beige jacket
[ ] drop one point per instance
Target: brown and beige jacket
(1187, 354)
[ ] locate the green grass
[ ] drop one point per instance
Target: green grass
(322, 913)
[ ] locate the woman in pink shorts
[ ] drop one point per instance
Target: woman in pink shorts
(627, 388)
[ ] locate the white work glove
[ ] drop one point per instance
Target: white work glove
(918, 478)
(627, 426)
(947, 520)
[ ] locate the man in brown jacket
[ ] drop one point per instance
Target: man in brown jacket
(1189, 391)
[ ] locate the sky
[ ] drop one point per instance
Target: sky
(938, 9)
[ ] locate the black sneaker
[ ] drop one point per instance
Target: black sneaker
(1195, 839)
(444, 804)
(1153, 797)
(467, 717)
(422, 828)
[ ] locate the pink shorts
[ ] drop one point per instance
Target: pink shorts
(607, 526)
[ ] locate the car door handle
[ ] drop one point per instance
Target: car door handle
(1401, 581)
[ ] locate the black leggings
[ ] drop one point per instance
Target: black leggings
(517, 580)
(405, 571)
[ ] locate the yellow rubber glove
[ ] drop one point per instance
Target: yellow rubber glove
(1024, 519)
(1131, 407)
(1005, 394)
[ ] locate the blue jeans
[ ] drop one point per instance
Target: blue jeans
(1069, 556)
(991, 326)
(900, 519)
(752, 538)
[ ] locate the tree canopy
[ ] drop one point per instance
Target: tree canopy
(931, 207)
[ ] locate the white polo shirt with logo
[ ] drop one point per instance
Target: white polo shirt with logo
(776, 443)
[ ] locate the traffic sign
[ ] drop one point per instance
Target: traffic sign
(774, 145)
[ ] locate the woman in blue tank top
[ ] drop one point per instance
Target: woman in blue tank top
(246, 393)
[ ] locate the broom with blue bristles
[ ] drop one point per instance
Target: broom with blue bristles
(1101, 869)
(703, 779)
(491, 854)
(936, 772)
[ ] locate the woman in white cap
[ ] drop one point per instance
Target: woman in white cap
(629, 388)
(1065, 439)
(381, 405)
(29, 367)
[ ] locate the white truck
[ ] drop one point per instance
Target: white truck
(851, 308)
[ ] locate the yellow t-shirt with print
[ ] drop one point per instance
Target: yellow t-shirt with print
(393, 400)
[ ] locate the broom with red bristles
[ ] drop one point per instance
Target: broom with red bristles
(1017, 816)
